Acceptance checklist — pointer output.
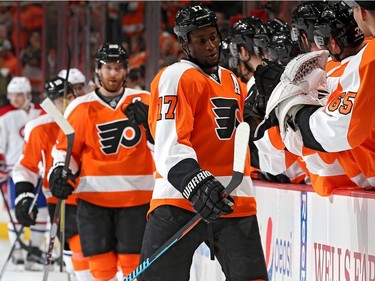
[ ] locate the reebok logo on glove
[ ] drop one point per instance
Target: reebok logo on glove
(198, 178)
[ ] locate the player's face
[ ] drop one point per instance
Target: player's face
(79, 89)
(112, 76)
(358, 16)
(204, 46)
(17, 99)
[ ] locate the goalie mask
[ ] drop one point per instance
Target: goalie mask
(55, 88)
(303, 20)
(337, 22)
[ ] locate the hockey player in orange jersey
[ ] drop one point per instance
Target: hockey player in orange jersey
(194, 109)
(40, 137)
(325, 171)
(112, 156)
(338, 125)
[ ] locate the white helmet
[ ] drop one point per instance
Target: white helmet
(19, 85)
(75, 76)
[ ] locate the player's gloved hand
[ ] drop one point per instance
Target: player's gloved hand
(23, 202)
(61, 188)
(205, 194)
(266, 76)
(137, 113)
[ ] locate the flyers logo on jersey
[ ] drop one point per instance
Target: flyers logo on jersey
(225, 110)
(120, 132)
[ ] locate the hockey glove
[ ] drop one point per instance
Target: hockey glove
(23, 202)
(266, 76)
(61, 188)
(205, 194)
(137, 113)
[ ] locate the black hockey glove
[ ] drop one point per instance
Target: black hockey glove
(23, 202)
(137, 113)
(60, 187)
(267, 76)
(205, 194)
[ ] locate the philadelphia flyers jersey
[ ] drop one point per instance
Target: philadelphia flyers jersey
(111, 154)
(36, 159)
(346, 124)
(12, 126)
(194, 115)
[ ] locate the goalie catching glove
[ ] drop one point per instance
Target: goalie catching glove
(137, 113)
(23, 202)
(205, 194)
(298, 87)
(61, 187)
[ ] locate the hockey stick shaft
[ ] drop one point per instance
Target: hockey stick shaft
(19, 233)
(240, 151)
(62, 211)
(68, 130)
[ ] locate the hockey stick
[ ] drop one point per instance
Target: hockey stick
(19, 233)
(68, 130)
(22, 244)
(62, 211)
(240, 149)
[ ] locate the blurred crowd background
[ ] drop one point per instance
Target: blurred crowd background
(38, 38)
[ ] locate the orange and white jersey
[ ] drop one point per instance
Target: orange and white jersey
(324, 169)
(115, 163)
(36, 159)
(275, 159)
(347, 121)
(193, 116)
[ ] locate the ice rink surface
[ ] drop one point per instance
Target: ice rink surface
(18, 273)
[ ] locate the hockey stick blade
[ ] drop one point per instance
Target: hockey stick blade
(52, 110)
(240, 151)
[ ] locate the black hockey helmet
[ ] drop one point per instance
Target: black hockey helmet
(243, 32)
(265, 32)
(303, 20)
(281, 48)
(337, 22)
(55, 88)
(192, 18)
(111, 52)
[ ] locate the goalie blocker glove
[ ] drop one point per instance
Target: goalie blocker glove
(137, 113)
(205, 194)
(60, 187)
(24, 199)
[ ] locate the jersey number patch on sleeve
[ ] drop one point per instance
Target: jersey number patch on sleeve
(343, 103)
(170, 103)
